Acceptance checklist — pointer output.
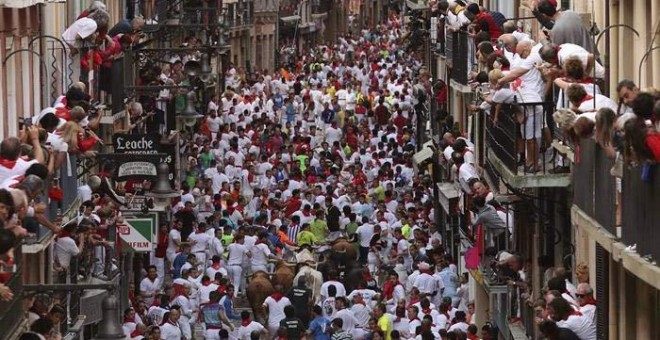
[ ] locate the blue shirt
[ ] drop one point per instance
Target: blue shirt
(319, 327)
(450, 281)
(328, 115)
(210, 312)
(228, 305)
(274, 240)
(179, 261)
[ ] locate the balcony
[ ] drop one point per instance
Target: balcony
(504, 144)
(594, 210)
(500, 297)
(460, 53)
(11, 316)
(640, 215)
(594, 188)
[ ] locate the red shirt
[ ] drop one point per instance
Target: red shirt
(493, 29)
(652, 142)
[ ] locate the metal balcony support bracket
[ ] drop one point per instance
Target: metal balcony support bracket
(641, 62)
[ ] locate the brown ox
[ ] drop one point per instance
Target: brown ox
(284, 273)
(258, 290)
(344, 251)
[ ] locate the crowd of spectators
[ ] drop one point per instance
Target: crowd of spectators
(320, 149)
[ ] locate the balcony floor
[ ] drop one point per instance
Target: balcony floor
(528, 180)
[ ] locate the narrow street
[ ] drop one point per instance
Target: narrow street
(329, 170)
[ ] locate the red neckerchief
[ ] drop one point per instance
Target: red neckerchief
(575, 312)
(206, 283)
(585, 81)
(215, 266)
(9, 164)
(246, 322)
(588, 97)
(127, 319)
(136, 333)
(590, 301)
(426, 310)
(277, 296)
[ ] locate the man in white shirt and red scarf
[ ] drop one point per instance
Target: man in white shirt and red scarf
(585, 298)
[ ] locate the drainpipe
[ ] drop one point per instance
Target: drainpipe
(73, 10)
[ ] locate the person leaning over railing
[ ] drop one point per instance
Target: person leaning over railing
(7, 243)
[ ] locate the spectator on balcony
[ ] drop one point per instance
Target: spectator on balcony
(491, 222)
(563, 313)
(558, 283)
(511, 27)
(483, 21)
(644, 106)
(12, 163)
(466, 173)
(82, 31)
(585, 104)
(456, 17)
(640, 143)
(128, 27)
(529, 115)
(574, 74)
(66, 247)
(524, 74)
(565, 26)
(626, 91)
(556, 55)
(551, 331)
(586, 301)
(7, 243)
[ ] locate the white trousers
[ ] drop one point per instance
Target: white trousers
(235, 274)
(256, 267)
(159, 262)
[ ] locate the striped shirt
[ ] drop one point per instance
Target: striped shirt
(292, 232)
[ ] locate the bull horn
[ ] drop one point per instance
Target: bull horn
(290, 264)
(273, 261)
(341, 251)
(270, 273)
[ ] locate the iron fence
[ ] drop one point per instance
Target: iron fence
(522, 129)
(11, 311)
(640, 202)
(594, 188)
(460, 53)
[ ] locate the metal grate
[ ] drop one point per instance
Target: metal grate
(602, 292)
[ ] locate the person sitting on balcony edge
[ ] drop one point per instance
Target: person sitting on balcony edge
(491, 222)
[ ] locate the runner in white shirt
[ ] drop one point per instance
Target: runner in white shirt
(346, 315)
(216, 268)
(260, 254)
(235, 261)
(274, 305)
(200, 244)
(208, 286)
(170, 330)
(332, 280)
(150, 286)
(173, 243)
(249, 326)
